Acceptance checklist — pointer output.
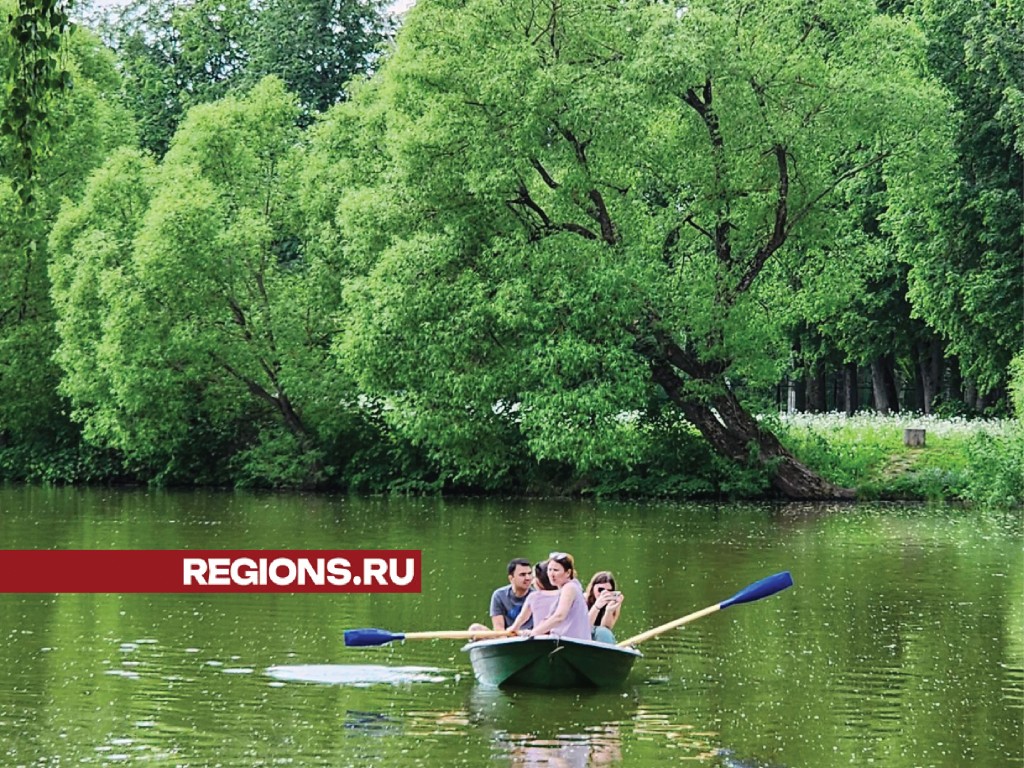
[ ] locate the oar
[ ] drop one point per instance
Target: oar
(368, 636)
(759, 589)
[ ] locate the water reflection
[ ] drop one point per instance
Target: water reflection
(577, 729)
(556, 728)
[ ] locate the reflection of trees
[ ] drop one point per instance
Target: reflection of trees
(602, 747)
(580, 729)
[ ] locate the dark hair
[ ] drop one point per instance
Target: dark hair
(601, 577)
(540, 571)
(513, 564)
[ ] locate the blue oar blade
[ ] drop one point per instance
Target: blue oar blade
(368, 636)
(764, 588)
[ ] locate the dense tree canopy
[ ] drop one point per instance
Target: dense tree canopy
(85, 124)
(967, 267)
(587, 205)
(534, 245)
(185, 316)
(175, 55)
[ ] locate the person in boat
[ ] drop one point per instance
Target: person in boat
(569, 618)
(541, 602)
(604, 602)
(507, 601)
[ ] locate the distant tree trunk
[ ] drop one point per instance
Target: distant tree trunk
(970, 395)
(991, 399)
(817, 400)
(930, 373)
(916, 403)
(883, 383)
(851, 396)
(955, 385)
(797, 400)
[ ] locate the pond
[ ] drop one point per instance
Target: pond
(901, 643)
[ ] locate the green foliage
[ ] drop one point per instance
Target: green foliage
(51, 462)
(33, 418)
(674, 461)
(34, 76)
(961, 231)
(850, 454)
(276, 460)
(315, 46)
(554, 193)
(177, 55)
(189, 332)
(997, 477)
(1017, 385)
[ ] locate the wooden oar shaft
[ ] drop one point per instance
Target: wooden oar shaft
(461, 634)
(637, 639)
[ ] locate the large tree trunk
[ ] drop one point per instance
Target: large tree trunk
(732, 431)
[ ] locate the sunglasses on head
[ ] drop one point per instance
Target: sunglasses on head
(557, 556)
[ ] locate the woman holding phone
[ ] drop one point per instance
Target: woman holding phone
(604, 603)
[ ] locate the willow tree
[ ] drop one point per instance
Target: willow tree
(190, 336)
(583, 204)
(59, 135)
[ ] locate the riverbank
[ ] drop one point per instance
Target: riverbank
(975, 461)
(972, 460)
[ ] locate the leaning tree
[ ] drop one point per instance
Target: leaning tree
(567, 208)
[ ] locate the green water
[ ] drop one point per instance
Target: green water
(901, 645)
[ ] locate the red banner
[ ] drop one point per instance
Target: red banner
(184, 570)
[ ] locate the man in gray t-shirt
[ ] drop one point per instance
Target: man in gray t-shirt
(507, 602)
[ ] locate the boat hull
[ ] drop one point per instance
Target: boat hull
(550, 662)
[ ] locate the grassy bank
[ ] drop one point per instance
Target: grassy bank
(978, 461)
(974, 460)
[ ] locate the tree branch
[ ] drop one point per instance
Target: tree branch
(779, 232)
(838, 180)
(547, 226)
(543, 173)
(599, 211)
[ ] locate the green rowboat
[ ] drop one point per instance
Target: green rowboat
(550, 662)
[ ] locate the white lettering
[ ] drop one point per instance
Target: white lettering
(298, 571)
(244, 572)
(290, 571)
(338, 568)
(195, 568)
(314, 572)
(220, 571)
(375, 569)
(410, 571)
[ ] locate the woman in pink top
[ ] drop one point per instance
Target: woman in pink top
(569, 619)
(541, 602)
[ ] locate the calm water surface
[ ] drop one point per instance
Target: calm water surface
(901, 645)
